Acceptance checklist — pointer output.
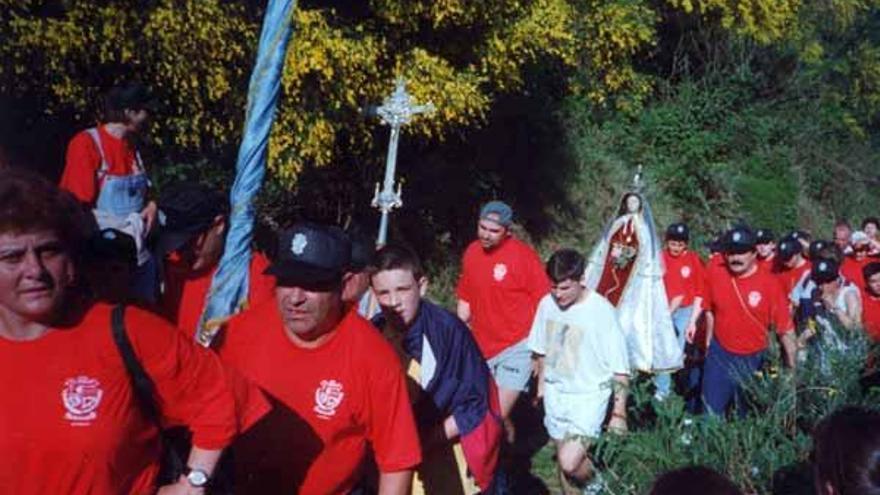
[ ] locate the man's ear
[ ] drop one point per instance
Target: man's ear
(423, 286)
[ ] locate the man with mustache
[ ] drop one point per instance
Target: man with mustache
(747, 303)
(336, 385)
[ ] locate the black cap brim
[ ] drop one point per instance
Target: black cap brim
(170, 241)
(736, 248)
(290, 272)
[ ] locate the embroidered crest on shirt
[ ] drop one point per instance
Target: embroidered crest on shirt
(327, 398)
(298, 244)
(499, 272)
(81, 396)
(754, 298)
(685, 272)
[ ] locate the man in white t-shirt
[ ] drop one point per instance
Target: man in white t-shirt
(581, 361)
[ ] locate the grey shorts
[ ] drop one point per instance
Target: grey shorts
(513, 366)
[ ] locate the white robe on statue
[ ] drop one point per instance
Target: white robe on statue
(643, 309)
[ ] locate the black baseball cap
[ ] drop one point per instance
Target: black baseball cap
(362, 250)
(738, 240)
(678, 232)
(816, 247)
(788, 248)
(825, 271)
(134, 95)
(187, 209)
(112, 245)
(311, 254)
(800, 235)
(764, 236)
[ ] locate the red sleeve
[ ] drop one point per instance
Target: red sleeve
(392, 428)
(700, 289)
(250, 403)
(81, 166)
(463, 289)
(779, 311)
(191, 385)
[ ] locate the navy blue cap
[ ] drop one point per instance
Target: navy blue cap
(816, 247)
(678, 232)
(764, 236)
(501, 212)
(825, 271)
(799, 235)
(112, 244)
(362, 250)
(738, 240)
(311, 254)
(186, 210)
(788, 248)
(133, 95)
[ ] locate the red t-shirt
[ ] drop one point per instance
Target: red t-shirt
(766, 264)
(871, 315)
(745, 308)
(329, 403)
(83, 161)
(503, 288)
(684, 276)
(69, 422)
(789, 277)
(186, 292)
(851, 269)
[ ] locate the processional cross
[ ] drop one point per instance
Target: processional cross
(396, 111)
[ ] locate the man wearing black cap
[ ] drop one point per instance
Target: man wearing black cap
(765, 246)
(191, 242)
(684, 278)
(747, 303)
(871, 300)
(337, 385)
(791, 265)
(502, 281)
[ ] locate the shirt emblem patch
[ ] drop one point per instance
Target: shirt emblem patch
(81, 396)
(685, 272)
(327, 398)
(754, 298)
(499, 272)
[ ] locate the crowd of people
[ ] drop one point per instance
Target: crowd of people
(339, 376)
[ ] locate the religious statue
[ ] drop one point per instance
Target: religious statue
(626, 267)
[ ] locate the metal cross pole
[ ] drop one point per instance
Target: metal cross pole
(396, 111)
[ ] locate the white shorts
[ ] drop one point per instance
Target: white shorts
(567, 414)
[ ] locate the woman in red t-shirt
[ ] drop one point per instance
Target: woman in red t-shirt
(69, 417)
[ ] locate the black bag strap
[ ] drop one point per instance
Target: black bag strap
(144, 389)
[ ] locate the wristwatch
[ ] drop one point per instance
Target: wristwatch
(197, 478)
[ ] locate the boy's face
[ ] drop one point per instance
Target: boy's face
(399, 294)
(675, 247)
(566, 292)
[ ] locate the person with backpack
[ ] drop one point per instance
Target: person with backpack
(74, 413)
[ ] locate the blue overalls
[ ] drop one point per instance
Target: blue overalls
(122, 195)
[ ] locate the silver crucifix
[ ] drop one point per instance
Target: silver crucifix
(396, 111)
